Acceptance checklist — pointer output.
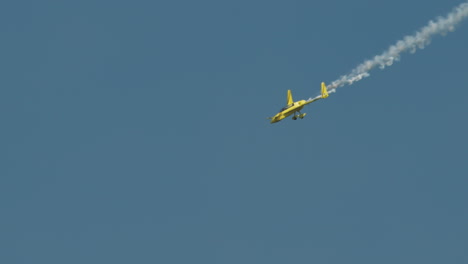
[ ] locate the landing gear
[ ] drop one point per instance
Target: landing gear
(300, 116)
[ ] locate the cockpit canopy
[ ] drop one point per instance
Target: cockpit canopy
(284, 108)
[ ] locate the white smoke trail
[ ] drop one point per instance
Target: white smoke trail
(419, 40)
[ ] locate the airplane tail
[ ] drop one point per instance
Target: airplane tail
(324, 90)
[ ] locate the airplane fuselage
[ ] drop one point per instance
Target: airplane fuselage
(287, 111)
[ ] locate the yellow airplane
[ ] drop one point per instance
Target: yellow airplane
(293, 107)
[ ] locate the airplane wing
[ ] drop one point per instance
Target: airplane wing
(289, 99)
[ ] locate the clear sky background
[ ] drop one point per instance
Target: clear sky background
(136, 132)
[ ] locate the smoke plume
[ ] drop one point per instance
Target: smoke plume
(419, 40)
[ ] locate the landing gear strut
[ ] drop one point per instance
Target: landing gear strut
(300, 115)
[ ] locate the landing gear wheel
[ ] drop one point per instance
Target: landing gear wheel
(294, 117)
(302, 115)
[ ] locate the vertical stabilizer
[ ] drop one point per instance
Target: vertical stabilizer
(324, 91)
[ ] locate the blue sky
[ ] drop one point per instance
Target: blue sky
(137, 133)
